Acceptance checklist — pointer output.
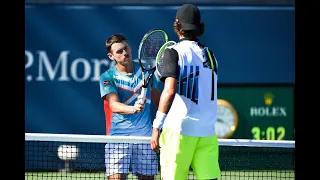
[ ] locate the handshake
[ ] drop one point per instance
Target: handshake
(138, 105)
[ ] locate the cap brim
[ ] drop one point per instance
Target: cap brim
(187, 26)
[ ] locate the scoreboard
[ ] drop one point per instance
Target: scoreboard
(259, 113)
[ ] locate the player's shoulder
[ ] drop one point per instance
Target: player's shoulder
(170, 47)
(182, 47)
(171, 52)
(171, 44)
(209, 51)
(108, 73)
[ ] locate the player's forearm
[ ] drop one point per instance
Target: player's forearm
(167, 95)
(166, 100)
(120, 108)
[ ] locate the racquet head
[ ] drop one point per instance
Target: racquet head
(149, 47)
(159, 58)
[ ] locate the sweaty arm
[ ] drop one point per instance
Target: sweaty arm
(167, 95)
(170, 73)
(169, 77)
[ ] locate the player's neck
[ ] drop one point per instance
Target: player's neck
(188, 39)
(125, 69)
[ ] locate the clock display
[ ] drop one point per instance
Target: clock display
(270, 133)
(265, 113)
(227, 119)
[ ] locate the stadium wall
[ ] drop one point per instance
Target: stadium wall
(65, 54)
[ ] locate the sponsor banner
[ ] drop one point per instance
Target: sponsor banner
(263, 113)
(65, 55)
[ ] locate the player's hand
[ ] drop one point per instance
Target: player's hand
(155, 140)
(138, 107)
(140, 100)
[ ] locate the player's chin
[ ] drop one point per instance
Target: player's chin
(127, 59)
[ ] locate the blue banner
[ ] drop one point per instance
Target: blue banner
(65, 54)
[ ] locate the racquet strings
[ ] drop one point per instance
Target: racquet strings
(159, 58)
(150, 47)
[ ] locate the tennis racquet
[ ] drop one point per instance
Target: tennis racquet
(147, 52)
(159, 58)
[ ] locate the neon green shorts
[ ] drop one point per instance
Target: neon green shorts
(178, 152)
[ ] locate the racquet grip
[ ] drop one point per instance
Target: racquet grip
(143, 94)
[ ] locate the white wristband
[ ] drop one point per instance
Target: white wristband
(159, 120)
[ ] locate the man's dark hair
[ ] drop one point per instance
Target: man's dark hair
(189, 34)
(116, 38)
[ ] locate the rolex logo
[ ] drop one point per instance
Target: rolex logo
(268, 98)
(268, 110)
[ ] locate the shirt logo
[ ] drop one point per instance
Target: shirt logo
(107, 82)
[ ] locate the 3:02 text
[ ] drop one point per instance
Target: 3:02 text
(270, 133)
